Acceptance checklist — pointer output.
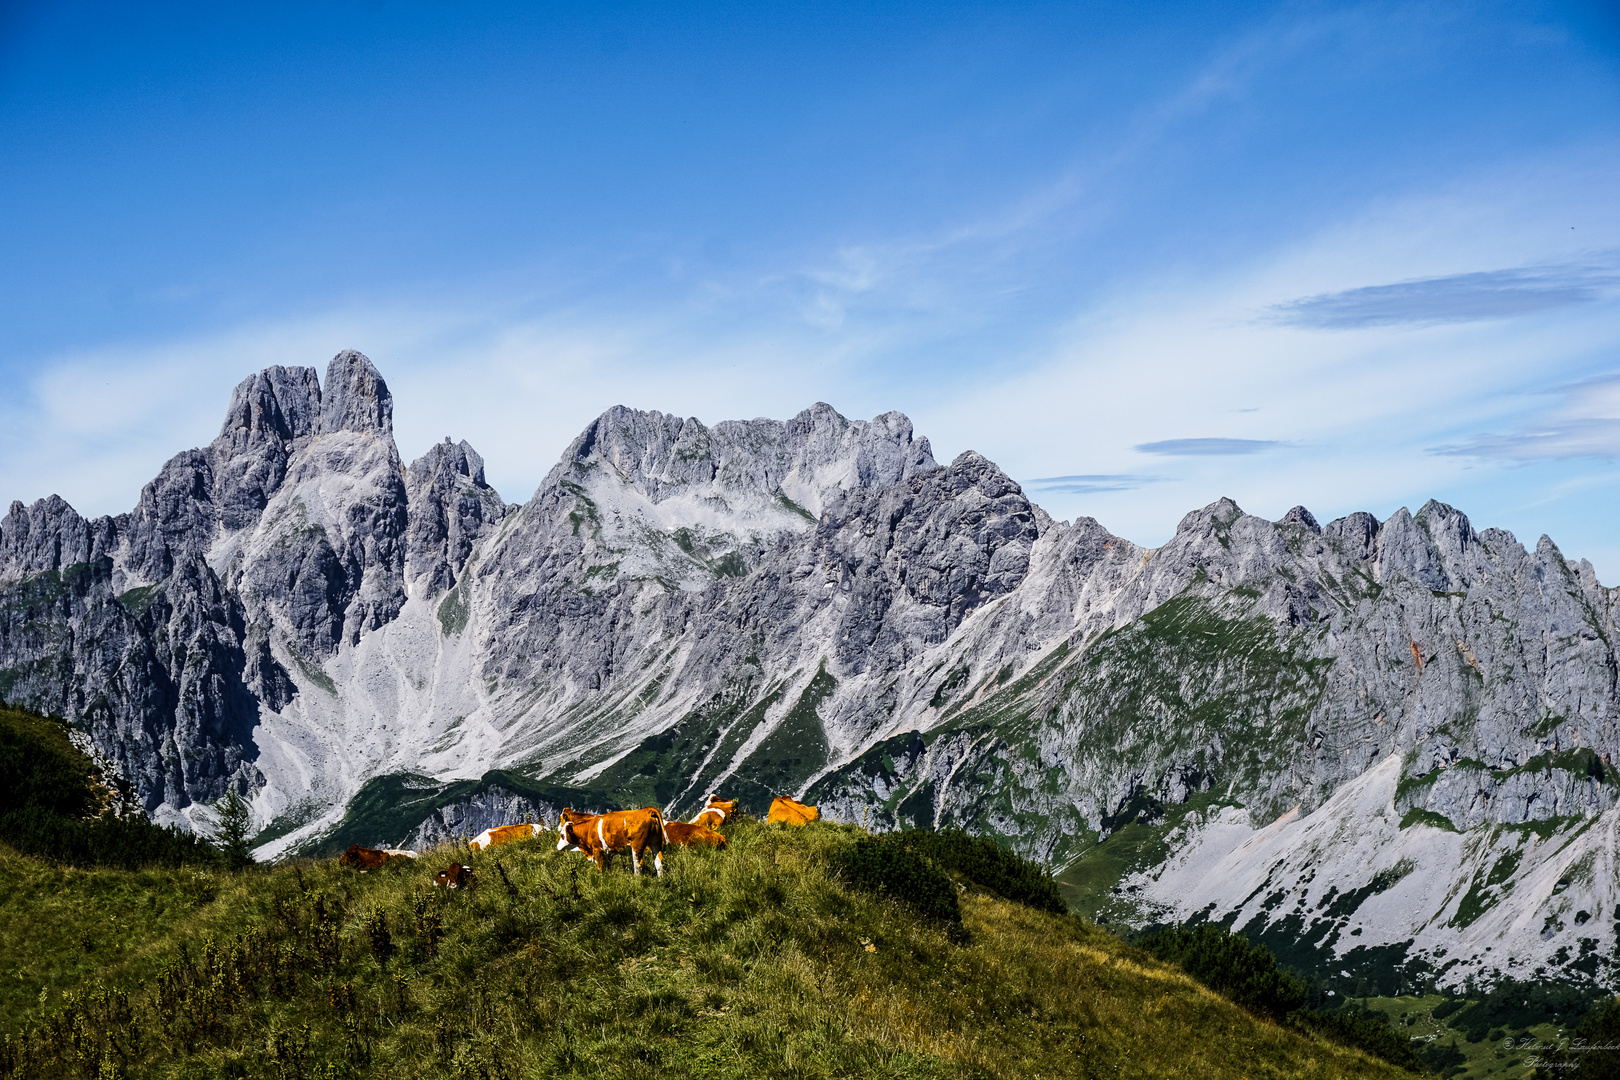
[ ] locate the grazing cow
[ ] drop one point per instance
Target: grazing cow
(714, 815)
(454, 876)
(576, 817)
(502, 834)
(794, 813)
(363, 859)
(600, 835)
(680, 834)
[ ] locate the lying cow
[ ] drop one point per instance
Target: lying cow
(363, 859)
(714, 815)
(598, 836)
(793, 813)
(680, 834)
(454, 876)
(502, 834)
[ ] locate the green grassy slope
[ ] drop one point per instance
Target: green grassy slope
(748, 962)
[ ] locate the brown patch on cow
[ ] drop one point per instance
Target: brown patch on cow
(681, 834)
(792, 812)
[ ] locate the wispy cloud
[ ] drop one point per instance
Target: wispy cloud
(1574, 439)
(1207, 447)
(1091, 483)
(1457, 298)
(1584, 424)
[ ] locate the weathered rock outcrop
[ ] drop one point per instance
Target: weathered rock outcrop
(813, 605)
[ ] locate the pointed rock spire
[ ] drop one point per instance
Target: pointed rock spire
(356, 397)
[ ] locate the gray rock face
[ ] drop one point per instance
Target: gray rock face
(167, 630)
(810, 606)
(451, 510)
(466, 818)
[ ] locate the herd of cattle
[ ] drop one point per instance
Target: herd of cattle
(598, 837)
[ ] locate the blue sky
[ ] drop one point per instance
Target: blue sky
(1142, 255)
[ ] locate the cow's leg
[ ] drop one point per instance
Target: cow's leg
(658, 862)
(635, 859)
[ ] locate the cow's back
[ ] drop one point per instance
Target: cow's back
(791, 812)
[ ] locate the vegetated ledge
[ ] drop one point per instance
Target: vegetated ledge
(747, 962)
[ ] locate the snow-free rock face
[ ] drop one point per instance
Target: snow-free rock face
(816, 606)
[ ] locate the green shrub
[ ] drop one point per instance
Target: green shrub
(1364, 1029)
(1512, 1004)
(1593, 1052)
(1230, 965)
(986, 863)
(49, 791)
(40, 767)
(887, 866)
(1444, 1057)
(124, 843)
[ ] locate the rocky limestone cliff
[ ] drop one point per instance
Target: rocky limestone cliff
(810, 606)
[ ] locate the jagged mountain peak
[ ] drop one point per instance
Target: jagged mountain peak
(1300, 516)
(803, 606)
(633, 470)
(458, 459)
(279, 402)
(356, 397)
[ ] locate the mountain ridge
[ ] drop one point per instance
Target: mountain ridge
(812, 605)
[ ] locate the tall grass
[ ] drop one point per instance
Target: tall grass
(749, 962)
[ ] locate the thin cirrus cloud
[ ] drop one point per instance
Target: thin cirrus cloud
(1091, 483)
(1585, 424)
(1456, 298)
(1576, 438)
(1206, 447)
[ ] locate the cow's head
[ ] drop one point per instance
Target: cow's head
(566, 837)
(350, 857)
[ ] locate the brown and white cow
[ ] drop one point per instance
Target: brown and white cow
(568, 816)
(715, 814)
(454, 876)
(681, 834)
(600, 835)
(363, 859)
(792, 812)
(502, 834)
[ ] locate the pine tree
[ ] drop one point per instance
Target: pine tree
(232, 824)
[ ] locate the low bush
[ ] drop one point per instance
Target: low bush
(887, 866)
(1230, 965)
(1236, 968)
(986, 863)
(1363, 1029)
(1593, 1053)
(40, 766)
(1512, 1004)
(124, 843)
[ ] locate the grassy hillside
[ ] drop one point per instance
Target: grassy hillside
(54, 803)
(750, 962)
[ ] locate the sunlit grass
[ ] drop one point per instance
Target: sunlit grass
(748, 962)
